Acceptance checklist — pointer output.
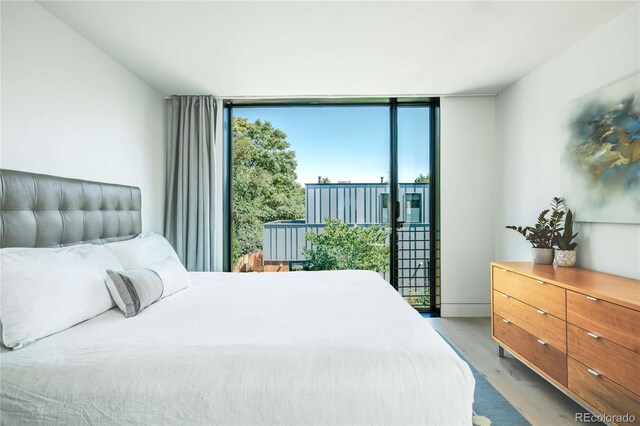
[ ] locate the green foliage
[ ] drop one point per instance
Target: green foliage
(264, 182)
(344, 247)
(564, 239)
(235, 248)
(539, 235)
(418, 300)
(557, 213)
(325, 180)
(543, 233)
(423, 178)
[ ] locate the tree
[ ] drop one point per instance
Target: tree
(344, 247)
(264, 182)
(325, 180)
(423, 178)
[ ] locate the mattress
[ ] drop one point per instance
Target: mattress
(246, 349)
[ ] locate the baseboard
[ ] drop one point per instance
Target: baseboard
(465, 310)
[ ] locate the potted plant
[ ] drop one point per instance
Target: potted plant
(543, 234)
(565, 255)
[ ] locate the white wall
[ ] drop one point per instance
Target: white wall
(467, 194)
(529, 144)
(68, 109)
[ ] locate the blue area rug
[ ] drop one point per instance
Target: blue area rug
(488, 402)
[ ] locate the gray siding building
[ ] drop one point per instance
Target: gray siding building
(364, 203)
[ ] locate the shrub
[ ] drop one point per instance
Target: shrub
(343, 247)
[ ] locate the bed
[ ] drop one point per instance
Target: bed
(339, 347)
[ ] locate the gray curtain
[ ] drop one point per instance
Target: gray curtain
(190, 213)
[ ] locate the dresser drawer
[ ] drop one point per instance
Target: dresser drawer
(547, 358)
(613, 322)
(546, 327)
(612, 360)
(601, 392)
(537, 293)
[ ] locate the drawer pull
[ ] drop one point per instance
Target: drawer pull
(503, 270)
(594, 372)
(506, 296)
(595, 299)
(590, 334)
(542, 342)
(506, 321)
(541, 312)
(540, 282)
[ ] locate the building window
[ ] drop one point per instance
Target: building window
(413, 207)
(384, 208)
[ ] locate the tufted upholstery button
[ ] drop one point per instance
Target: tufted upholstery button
(72, 196)
(72, 230)
(23, 220)
(48, 227)
(47, 211)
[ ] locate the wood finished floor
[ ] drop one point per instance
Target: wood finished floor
(536, 399)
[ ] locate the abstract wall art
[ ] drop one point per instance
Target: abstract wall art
(601, 161)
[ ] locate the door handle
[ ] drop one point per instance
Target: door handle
(594, 372)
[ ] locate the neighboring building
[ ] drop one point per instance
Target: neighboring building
(362, 204)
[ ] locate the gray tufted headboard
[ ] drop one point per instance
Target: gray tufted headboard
(48, 211)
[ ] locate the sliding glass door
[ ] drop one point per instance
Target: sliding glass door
(333, 186)
(416, 201)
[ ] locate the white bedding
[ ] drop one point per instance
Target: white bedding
(280, 348)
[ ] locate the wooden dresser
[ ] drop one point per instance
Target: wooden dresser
(580, 329)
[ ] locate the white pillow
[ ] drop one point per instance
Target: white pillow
(47, 290)
(173, 274)
(135, 289)
(142, 252)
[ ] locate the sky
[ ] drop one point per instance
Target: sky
(349, 143)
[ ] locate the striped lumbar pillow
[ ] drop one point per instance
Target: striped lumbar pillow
(136, 289)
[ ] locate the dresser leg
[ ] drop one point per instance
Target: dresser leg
(500, 352)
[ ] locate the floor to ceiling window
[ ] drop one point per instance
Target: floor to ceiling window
(334, 186)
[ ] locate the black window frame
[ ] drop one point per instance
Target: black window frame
(394, 208)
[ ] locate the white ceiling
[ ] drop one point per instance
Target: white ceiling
(305, 49)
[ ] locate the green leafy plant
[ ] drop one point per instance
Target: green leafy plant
(543, 234)
(264, 182)
(557, 213)
(343, 247)
(423, 178)
(564, 239)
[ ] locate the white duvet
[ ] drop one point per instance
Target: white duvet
(282, 348)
